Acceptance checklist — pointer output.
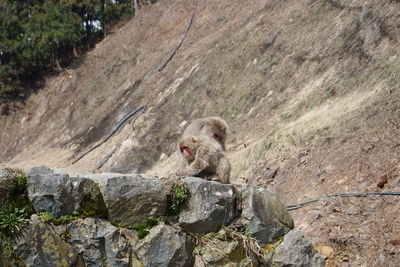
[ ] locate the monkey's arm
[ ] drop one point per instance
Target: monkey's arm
(189, 170)
(200, 163)
(182, 165)
(224, 170)
(197, 166)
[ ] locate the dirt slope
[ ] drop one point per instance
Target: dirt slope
(310, 89)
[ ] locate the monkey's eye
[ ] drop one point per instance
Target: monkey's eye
(216, 136)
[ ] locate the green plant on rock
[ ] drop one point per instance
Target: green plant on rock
(20, 181)
(18, 193)
(177, 197)
(142, 229)
(66, 235)
(46, 216)
(12, 220)
(93, 204)
(6, 247)
(65, 219)
(196, 251)
(247, 233)
(49, 217)
(15, 213)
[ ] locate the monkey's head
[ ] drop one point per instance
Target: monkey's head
(217, 129)
(188, 145)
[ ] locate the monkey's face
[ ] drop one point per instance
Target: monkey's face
(188, 147)
(187, 154)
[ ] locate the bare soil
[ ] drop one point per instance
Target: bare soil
(310, 89)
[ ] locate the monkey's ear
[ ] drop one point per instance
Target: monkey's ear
(194, 139)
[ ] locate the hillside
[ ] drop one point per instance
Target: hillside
(310, 89)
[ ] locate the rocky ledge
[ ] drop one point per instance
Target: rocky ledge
(112, 219)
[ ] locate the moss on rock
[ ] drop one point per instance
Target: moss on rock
(93, 204)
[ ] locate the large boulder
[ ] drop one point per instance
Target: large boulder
(209, 206)
(164, 246)
(100, 243)
(131, 200)
(296, 251)
(263, 214)
(42, 246)
(58, 193)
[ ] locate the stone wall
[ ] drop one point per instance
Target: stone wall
(111, 219)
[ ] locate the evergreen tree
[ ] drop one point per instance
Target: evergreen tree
(38, 35)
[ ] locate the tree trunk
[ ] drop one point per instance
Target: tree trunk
(135, 5)
(75, 52)
(102, 23)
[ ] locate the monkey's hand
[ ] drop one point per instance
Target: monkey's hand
(187, 171)
(192, 172)
(200, 163)
(197, 166)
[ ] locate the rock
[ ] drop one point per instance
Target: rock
(131, 200)
(315, 215)
(3, 174)
(295, 251)
(59, 193)
(225, 253)
(5, 184)
(263, 214)
(42, 246)
(42, 170)
(397, 183)
(325, 251)
(268, 176)
(209, 206)
(164, 246)
(100, 243)
(382, 259)
(3, 260)
(50, 192)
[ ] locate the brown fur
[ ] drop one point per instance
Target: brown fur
(206, 160)
(210, 127)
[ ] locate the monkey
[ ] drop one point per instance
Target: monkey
(213, 127)
(204, 158)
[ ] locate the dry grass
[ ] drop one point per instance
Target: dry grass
(229, 234)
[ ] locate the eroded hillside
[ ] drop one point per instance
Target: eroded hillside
(310, 89)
